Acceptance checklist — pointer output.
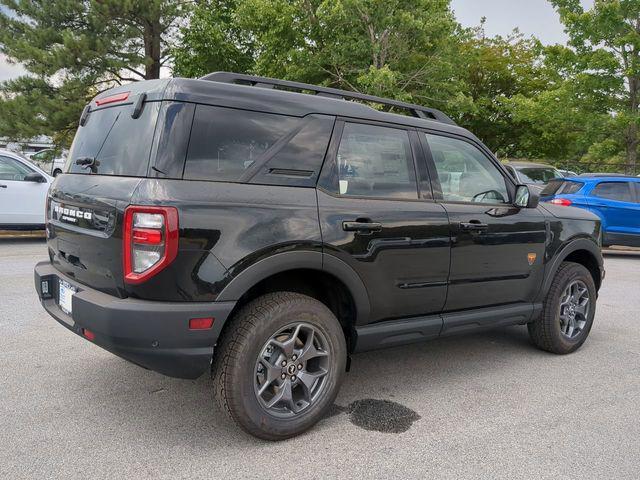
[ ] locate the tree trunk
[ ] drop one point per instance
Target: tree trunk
(152, 51)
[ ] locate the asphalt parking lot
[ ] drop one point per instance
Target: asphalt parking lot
(482, 406)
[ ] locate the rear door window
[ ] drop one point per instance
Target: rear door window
(120, 144)
(225, 142)
(618, 191)
(375, 161)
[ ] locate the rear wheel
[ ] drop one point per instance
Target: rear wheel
(280, 364)
(568, 312)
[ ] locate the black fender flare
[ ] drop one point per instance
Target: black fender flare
(566, 250)
(282, 262)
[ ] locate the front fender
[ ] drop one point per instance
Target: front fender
(573, 245)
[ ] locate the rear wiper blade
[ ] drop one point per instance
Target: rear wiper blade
(82, 161)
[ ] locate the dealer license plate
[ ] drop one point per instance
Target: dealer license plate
(65, 296)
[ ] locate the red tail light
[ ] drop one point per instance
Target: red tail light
(150, 241)
(564, 202)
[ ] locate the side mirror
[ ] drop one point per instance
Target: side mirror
(525, 198)
(34, 177)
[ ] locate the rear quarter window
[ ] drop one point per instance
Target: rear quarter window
(560, 187)
(226, 143)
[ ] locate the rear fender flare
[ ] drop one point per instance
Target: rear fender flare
(282, 262)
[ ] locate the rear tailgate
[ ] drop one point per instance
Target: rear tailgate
(84, 228)
(85, 210)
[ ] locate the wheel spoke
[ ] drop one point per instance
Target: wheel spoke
(283, 395)
(272, 374)
(309, 350)
(308, 379)
(287, 347)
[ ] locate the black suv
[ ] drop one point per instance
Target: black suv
(264, 230)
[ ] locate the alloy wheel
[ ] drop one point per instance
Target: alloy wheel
(291, 370)
(574, 309)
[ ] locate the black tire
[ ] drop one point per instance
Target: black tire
(243, 341)
(57, 172)
(545, 332)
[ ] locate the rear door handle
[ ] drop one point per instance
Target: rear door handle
(3, 186)
(474, 226)
(361, 226)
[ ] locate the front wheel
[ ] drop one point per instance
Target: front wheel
(279, 365)
(568, 311)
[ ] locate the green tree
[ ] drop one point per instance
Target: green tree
(213, 41)
(607, 41)
(403, 49)
(493, 70)
(75, 49)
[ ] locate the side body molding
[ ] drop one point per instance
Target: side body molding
(282, 262)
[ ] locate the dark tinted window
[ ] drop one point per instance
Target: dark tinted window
(375, 161)
(465, 173)
(620, 191)
(11, 169)
(226, 142)
(539, 175)
(558, 187)
(120, 144)
(299, 161)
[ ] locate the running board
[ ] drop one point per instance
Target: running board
(418, 329)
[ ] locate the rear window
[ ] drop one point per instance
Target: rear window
(120, 144)
(225, 143)
(559, 187)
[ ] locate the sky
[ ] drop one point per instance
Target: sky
(532, 17)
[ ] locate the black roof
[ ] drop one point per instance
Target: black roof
(284, 102)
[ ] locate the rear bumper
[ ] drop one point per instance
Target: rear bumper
(154, 335)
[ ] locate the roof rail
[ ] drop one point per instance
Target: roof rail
(265, 82)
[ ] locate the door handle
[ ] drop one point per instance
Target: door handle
(474, 226)
(3, 186)
(361, 226)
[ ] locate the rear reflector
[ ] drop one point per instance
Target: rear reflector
(200, 323)
(564, 202)
(88, 334)
(118, 97)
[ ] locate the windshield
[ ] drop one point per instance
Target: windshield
(120, 144)
(539, 175)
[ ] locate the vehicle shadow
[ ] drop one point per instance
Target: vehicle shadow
(187, 410)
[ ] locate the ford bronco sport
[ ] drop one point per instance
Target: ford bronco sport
(264, 230)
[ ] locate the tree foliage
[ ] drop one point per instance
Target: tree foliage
(74, 49)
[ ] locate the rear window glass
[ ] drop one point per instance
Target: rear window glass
(120, 144)
(558, 187)
(226, 142)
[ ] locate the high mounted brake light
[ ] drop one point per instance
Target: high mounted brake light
(118, 97)
(150, 241)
